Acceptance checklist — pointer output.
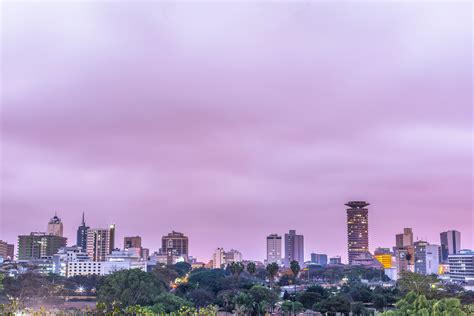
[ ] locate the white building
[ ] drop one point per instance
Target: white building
(461, 266)
(233, 256)
(84, 268)
(218, 258)
(66, 255)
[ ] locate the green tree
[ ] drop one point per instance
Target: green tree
(169, 303)
(206, 279)
(334, 304)
(244, 304)
(417, 283)
(236, 268)
(201, 297)
(130, 287)
(182, 268)
(262, 294)
(251, 268)
(295, 268)
(289, 307)
(272, 271)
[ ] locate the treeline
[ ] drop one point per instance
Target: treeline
(245, 290)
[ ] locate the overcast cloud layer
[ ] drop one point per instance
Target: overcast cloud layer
(229, 122)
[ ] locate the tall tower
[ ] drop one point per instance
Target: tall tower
(450, 244)
(274, 248)
(175, 243)
(294, 248)
(357, 229)
(82, 234)
(100, 242)
(55, 226)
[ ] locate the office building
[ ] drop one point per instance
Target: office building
(319, 259)
(274, 249)
(404, 239)
(384, 256)
(55, 226)
(335, 260)
(294, 248)
(145, 253)
(461, 266)
(218, 258)
(66, 255)
(84, 268)
(7, 251)
(426, 258)
(366, 259)
(232, 256)
(100, 242)
(132, 242)
(357, 229)
(123, 259)
(175, 243)
(81, 240)
(450, 244)
(39, 245)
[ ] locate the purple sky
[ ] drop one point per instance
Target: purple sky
(229, 122)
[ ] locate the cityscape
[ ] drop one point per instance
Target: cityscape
(236, 158)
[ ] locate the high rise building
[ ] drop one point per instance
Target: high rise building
(55, 226)
(450, 243)
(405, 239)
(426, 258)
(175, 243)
(6, 250)
(132, 242)
(100, 242)
(274, 248)
(319, 259)
(461, 266)
(39, 245)
(294, 248)
(357, 229)
(218, 258)
(81, 240)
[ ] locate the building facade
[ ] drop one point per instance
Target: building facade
(66, 255)
(357, 229)
(175, 243)
(132, 242)
(274, 249)
(335, 261)
(426, 258)
(81, 236)
(404, 239)
(55, 226)
(461, 266)
(39, 245)
(319, 259)
(100, 242)
(450, 244)
(294, 248)
(7, 251)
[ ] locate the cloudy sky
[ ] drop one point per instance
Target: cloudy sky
(232, 121)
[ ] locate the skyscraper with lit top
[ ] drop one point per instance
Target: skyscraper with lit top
(357, 229)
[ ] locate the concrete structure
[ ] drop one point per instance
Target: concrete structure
(81, 236)
(84, 268)
(175, 243)
(55, 226)
(66, 255)
(163, 259)
(366, 259)
(319, 259)
(7, 251)
(232, 256)
(39, 245)
(274, 253)
(357, 229)
(461, 266)
(335, 260)
(294, 248)
(426, 258)
(450, 244)
(132, 242)
(404, 239)
(384, 256)
(100, 242)
(218, 258)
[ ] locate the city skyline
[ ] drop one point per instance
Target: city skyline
(182, 117)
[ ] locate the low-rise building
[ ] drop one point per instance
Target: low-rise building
(461, 266)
